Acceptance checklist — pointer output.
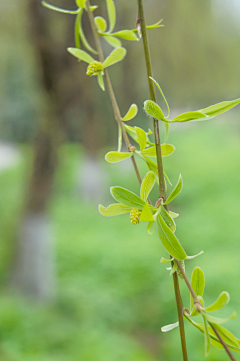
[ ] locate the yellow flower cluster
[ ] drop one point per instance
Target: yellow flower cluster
(135, 215)
(94, 68)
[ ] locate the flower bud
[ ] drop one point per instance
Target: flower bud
(94, 68)
(135, 215)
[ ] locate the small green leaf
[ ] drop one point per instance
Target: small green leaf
(173, 268)
(217, 320)
(164, 260)
(152, 109)
(153, 26)
(83, 37)
(166, 131)
(206, 336)
(167, 149)
(167, 178)
(175, 215)
(167, 219)
(169, 327)
(115, 56)
(161, 92)
(146, 215)
(80, 3)
(114, 209)
(147, 185)
(176, 190)
(201, 300)
(186, 117)
(114, 42)
(142, 138)
(196, 255)
(55, 8)
(126, 34)
(222, 301)
(81, 55)
(114, 157)
(100, 23)
(150, 224)
(76, 29)
(126, 197)
(152, 167)
(131, 113)
(220, 108)
(111, 14)
(100, 81)
(198, 284)
(119, 137)
(169, 240)
(150, 152)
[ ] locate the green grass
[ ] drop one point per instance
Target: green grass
(113, 293)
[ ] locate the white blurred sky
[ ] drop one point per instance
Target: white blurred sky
(227, 8)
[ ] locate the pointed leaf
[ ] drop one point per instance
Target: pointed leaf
(131, 113)
(114, 157)
(166, 131)
(152, 109)
(126, 34)
(220, 108)
(167, 219)
(76, 29)
(100, 81)
(150, 224)
(111, 14)
(175, 215)
(55, 8)
(176, 190)
(80, 3)
(115, 56)
(114, 42)
(164, 260)
(114, 209)
(169, 327)
(81, 55)
(161, 92)
(147, 185)
(167, 178)
(146, 215)
(100, 23)
(196, 255)
(119, 137)
(169, 240)
(222, 301)
(83, 37)
(186, 117)
(198, 284)
(142, 138)
(206, 336)
(126, 197)
(217, 320)
(153, 26)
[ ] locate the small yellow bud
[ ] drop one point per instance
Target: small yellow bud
(135, 215)
(178, 270)
(94, 68)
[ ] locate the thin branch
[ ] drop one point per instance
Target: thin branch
(199, 307)
(116, 110)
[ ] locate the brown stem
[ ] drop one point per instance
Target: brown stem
(223, 343)
(116, 110)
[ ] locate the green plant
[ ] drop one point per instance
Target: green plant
(141, 208)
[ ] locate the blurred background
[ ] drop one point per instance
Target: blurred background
(78, 286)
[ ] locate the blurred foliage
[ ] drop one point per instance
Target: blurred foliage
(114, 295)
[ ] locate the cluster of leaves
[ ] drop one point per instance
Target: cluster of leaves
(140, 207)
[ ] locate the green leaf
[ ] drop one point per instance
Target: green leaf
(186, 117)
(131, 113)
(114, 42)
(217, 320)
(115, 56)
(114, 209)
(222, 301)
(119, 137)
(147, 185)
(152, 109)
(201, 300)
(164, 260)
(176, 190)
(100, 81)
(167, 178)
(196, 255)
(152, 167)
(111, 14)
(153, 26)
(100, 23)
(169, 327)
(167, 219)
(220, 108)
(55, 8)
(198, 284)
(167, 149)
(169, 240)
(126, 34)
(142, 138)
(206, 336)
(126, 197)
(150, 224)
(150, 152)
(166, 131)
(161, 92)
(114, 157)
(80, 3)
(174, 215)
(81, 55)
(146, 215)
(227, 336)
(76, 29)
(173, 268)
(83, 37)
